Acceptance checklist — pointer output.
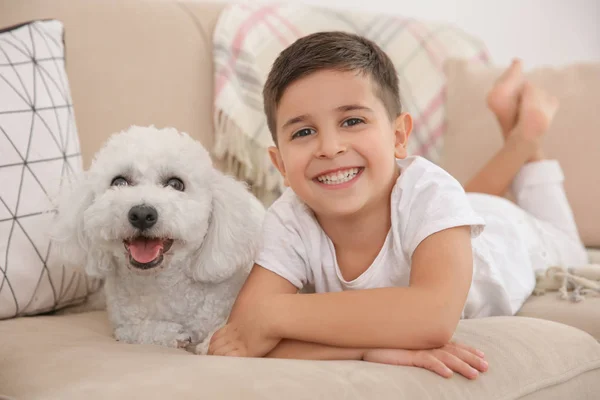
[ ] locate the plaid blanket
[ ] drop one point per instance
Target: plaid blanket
(248, 38)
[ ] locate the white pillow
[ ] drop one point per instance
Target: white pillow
(39, 148)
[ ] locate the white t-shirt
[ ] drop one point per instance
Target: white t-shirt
(424, 200)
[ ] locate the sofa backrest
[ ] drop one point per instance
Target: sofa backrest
(132, 62)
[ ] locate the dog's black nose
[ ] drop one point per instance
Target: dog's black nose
(143, 217)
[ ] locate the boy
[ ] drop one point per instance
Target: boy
(391, 244)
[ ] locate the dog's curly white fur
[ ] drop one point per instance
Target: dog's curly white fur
(213, 223)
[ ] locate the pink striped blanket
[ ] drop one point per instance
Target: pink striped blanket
(248, 38)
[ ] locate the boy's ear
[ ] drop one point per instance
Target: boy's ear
(278, 163)
(403, 127)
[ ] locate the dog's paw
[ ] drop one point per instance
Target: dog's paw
(125, 334)
(168, 334)
(182, 341)
(177, 340)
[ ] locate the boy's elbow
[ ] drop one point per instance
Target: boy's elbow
(441, 336)
(432, 335)
(440, 332)
(444, 321)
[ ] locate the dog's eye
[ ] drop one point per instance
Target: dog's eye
(119, 181)
(176, 184)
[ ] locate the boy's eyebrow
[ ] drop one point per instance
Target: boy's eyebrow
(347, 107)
(295, 120)
(353, 107)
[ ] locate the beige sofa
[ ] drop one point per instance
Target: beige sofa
(149, 62)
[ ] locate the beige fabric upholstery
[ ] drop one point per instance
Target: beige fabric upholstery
(473, 136)
(584, 315)
(76, 358)
(132, 62)
(150, 62)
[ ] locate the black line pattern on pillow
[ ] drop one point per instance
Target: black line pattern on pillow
(39, 149)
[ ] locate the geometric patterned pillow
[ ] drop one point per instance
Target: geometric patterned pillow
(39, 149)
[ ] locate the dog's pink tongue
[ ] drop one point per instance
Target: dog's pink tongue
(145, 250)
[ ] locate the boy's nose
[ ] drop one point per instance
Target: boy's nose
(330, 145)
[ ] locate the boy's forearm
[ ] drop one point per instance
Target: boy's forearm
(294, 349)
(408, 319)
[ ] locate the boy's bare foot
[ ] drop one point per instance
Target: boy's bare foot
(536, 112)
(504, 97)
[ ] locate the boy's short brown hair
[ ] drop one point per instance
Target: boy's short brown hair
(338, 51)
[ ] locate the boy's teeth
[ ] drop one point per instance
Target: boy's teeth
(338, 177)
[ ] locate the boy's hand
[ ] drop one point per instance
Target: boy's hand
(443, 361)
(227, 342)
(251, 330)
(241, 340)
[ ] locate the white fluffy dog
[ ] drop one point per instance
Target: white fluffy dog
(172, 238)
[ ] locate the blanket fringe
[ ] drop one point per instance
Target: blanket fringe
(244, 158)
(580, 281)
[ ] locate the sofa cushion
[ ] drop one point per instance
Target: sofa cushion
(473, 135)
(39, 149)
(76, 358)
(584, 315)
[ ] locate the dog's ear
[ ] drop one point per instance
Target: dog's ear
(69, 239)
(233, 232)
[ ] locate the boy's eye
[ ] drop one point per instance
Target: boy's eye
(303, 132)
(352, 122)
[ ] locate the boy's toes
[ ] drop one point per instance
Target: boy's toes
(508, 83)
(503, 98)
(512, 74)
(537, 111)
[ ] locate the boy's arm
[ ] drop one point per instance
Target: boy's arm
(262, 284)
(298, 350)
(423, 315)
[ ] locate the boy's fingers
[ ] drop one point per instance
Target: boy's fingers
(225, 349)
(228, 336)
(425, 359)
(239, 351)
(472, 359)
(218, 343)
(456, 364)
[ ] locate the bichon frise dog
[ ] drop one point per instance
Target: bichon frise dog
(173, 238)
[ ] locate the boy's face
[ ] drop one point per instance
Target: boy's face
(336, 143)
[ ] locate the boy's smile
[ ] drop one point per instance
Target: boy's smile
(339, 178)
(336, 142)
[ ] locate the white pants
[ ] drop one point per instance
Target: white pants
(520, 239)
(538, 189)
